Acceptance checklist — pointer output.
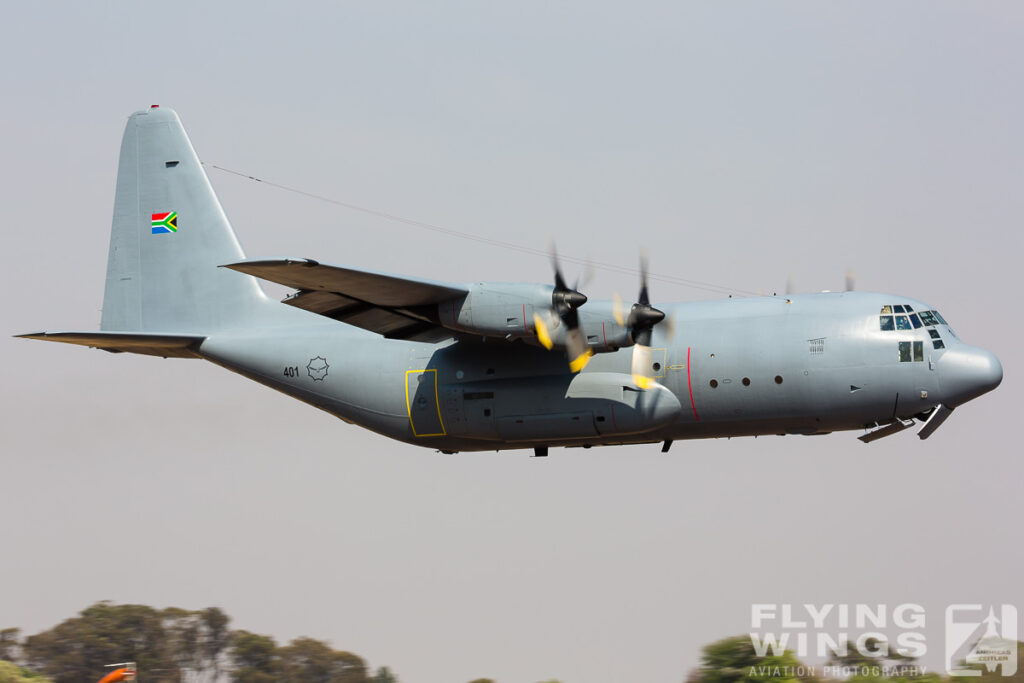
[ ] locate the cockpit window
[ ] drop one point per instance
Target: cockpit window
(911, 321)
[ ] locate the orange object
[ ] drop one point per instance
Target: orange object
(115, 675)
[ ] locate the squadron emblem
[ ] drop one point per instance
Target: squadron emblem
(317, 368)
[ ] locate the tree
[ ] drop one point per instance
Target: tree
(76, 649)
(9, 673)
(254, 657)
(734, 660)
(383, 675)
(216, 637)
(9, 642)
(305, 660)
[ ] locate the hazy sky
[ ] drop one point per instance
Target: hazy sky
(741, 143)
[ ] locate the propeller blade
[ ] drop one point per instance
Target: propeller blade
(543, 335)
(851, 280)
(565, 303)
(670, 327)
(641, 366)
(588, 274)
(618, 309)
(642, 319)
(643, 299)
(578, 350)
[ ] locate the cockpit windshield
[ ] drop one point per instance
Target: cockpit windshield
(930, 318)
(887, 321)
(901, 317)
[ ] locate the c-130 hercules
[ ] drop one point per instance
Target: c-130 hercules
(482, 366)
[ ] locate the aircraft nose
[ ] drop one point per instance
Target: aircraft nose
(967, 372)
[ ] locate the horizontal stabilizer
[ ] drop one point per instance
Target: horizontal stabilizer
(149, 344)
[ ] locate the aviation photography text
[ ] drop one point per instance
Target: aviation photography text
(829, 630)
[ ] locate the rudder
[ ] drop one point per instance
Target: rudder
(168, 237)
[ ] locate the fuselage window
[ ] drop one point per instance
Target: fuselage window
(938, 344)
(910, 309)
(886, 310)
(928, 318)
(902, 323)
(934, 334)
(904, 352)
(918, 352)
(915, 320)
(897, 309)
(939, 316)
(885, 322)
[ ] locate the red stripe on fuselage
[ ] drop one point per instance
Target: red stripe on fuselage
(689, 385)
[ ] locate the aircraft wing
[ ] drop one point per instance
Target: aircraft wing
(394, 306)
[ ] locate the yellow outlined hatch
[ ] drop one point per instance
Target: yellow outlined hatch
(427, 406)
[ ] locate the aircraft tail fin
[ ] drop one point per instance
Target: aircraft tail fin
(168, 237)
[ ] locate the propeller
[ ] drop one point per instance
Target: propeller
(641, 321)
(851, 279)
(565, 303)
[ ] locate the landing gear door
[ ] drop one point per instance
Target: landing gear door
(422, 403)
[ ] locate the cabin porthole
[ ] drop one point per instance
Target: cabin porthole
(714, 384)
(746, 381)
(778, 379)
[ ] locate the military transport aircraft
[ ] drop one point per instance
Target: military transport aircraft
(496, 366)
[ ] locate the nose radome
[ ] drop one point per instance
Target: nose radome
(967, 372)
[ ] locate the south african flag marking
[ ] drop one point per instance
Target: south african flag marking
(165, 223)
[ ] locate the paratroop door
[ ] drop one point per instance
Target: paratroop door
(422, 403)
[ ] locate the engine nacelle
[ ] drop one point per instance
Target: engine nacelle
(501, 309)
(496, 309)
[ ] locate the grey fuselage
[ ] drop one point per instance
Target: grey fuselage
(801, 364)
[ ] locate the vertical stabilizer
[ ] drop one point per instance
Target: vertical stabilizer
(169, 236)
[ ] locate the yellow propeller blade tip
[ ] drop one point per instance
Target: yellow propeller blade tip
(543, 336)
(643, 382)
(580, 361)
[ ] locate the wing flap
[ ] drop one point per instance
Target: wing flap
(163, 345)
(395, 307)
(380, 289)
